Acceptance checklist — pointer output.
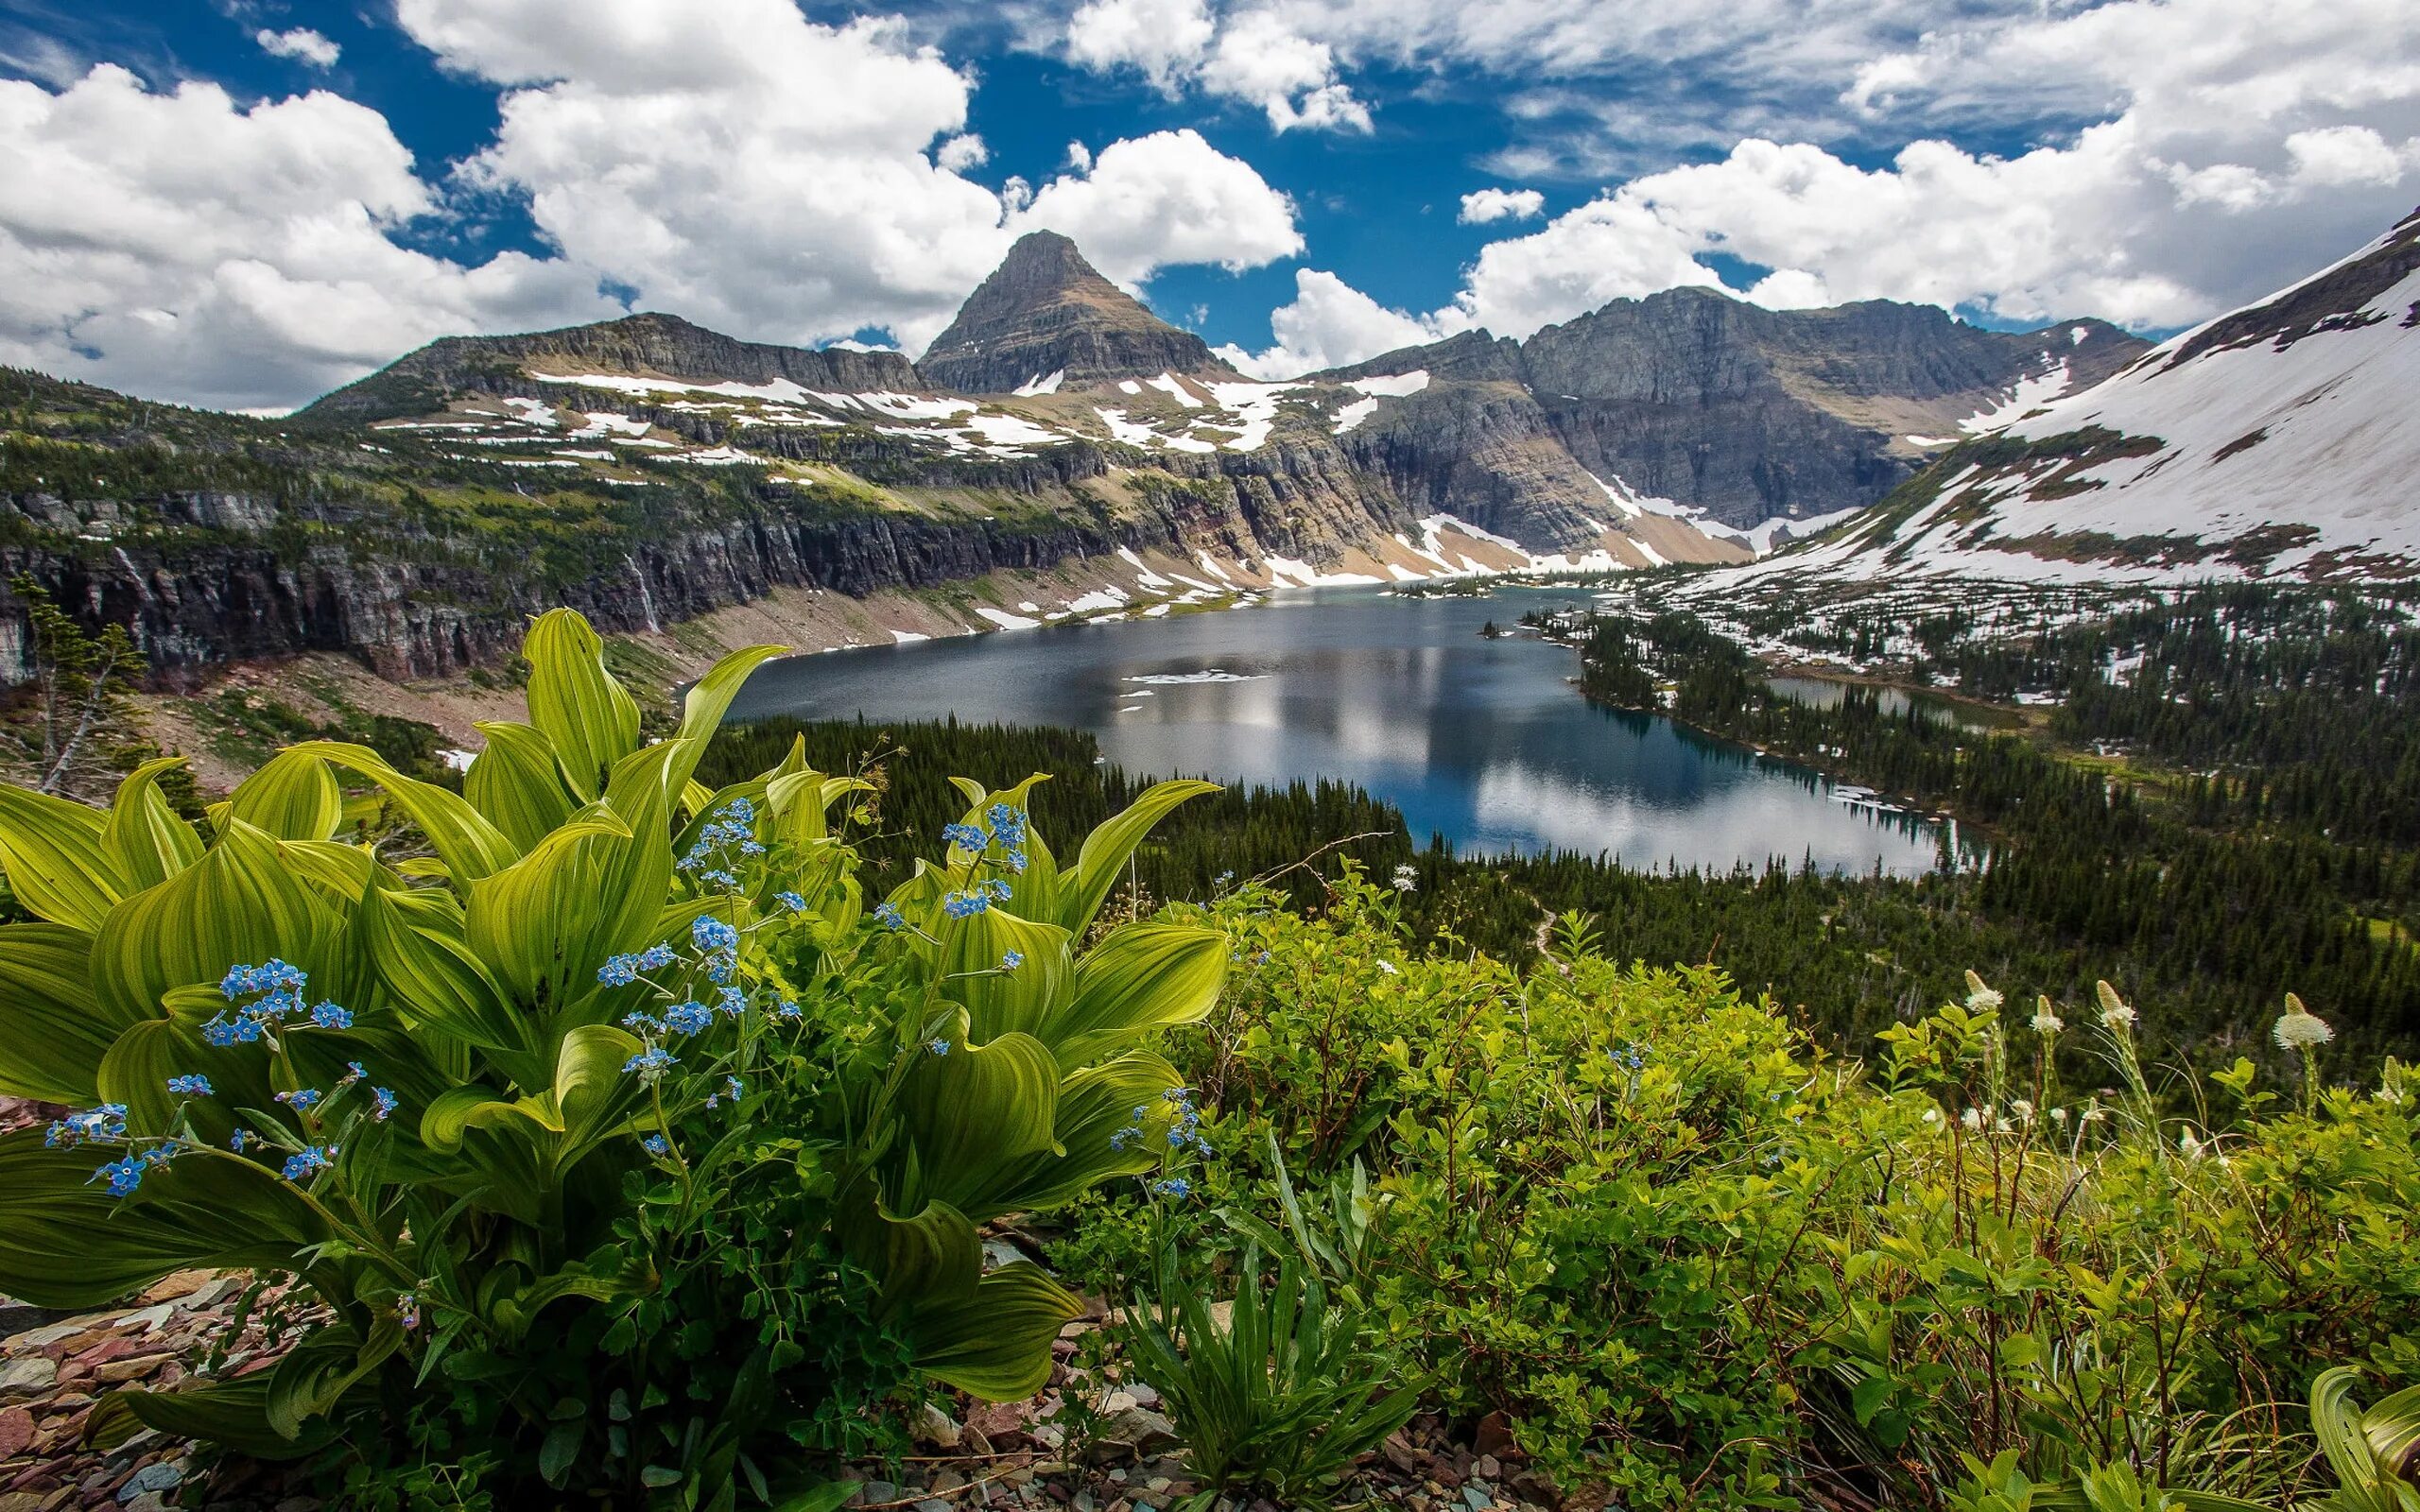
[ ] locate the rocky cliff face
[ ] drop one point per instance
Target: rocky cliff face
(658, 345)
(1045, 317)
(1748, 414)
(645, 469)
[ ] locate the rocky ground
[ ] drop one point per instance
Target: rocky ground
(1090, 1443)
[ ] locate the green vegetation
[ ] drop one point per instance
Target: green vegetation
(626, 1154)
(2210, 892)
(636, 1159)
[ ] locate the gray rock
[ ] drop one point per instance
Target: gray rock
(27, 1376)
(872, 1492)
(160, 1475)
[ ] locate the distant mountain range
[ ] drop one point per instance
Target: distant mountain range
(1060, 449)
(2278, 439)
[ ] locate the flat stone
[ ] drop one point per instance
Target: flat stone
(1487, 1467)
(28, 1377)
(133, 1368)
(45, 1336)
(152, 1319)
(934, 1503)
(873, 1492)
(16, 1431)
(1476, 1498)
(160, 1475)
(1144, 1394)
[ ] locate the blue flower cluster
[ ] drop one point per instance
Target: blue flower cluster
(649, 1065)
(790, 900)
(657, 1145)
(1175, 1187)
(730, 831)
(1183, 1134)
(621, 970)
(710, 934)
(189, 1087)
(105, 1124)
(1012, 960)
(1006, 834)
(937, 1047)
(309, 1161)
(1630, 1058)
(303, 1099)
(275, 989)
(889, 917)
(977, 898)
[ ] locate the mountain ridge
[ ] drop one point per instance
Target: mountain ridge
(1048, 316)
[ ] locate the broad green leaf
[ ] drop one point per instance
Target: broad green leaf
(933, 1258)
(517, 783)
(1142, 977)
(315, 1375)
(974, 1113)
(52, 852)
(588, 718)
(54, 1026)
(1025, 1000)
(294, 797)
(470, 846)
(1092, 1104)
(996, 1343)
(708, 699)
(436, 982)
(802, 802)
(231, 1412)
(142, 835)
(136, 1070)
(240, 905)
(204, 1212)
(1112, 841)
(534, 923)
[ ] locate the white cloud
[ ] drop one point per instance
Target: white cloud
(1484, 205)
(777, 178)
(1165, 198)
(302, 45)
(2349, 155)
(1253, 55)
(960, 153)
(175, 246)
(1330, 324)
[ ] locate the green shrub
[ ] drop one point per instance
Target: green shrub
(624, 1151)
(1702, 1263)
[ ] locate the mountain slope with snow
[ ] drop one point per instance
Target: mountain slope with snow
(2282, 439)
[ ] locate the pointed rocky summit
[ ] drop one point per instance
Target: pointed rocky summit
(1046, 319)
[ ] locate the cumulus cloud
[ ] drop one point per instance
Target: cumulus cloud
(179, 246)
(302, 45)
(1255, 57)
(772, 175)
(1484, 205)
(1332, 324)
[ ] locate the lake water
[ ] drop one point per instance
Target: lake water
(1485, 742)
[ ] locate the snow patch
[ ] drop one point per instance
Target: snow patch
(1038, 385)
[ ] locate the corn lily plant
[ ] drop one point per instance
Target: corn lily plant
(555, 1117)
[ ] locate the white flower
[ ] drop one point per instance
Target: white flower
(2192, 1147)
(2113, 1012)
(1973, 1119)
(2299, 1028)
(2092, 1114)
(1388, 967)
(1980, 997)
(1932, 1115)
(2046, 1018)
(2059, 1116)
(1406, 878)
(2020, 1109)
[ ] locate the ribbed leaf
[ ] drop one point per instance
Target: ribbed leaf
(1025, 1000)
(54, 1026)
(708, 699)
(436, 982)
(241, 904)
(315, 1374)
(929, 1260)
(591, 722)
(234, 1413)
(996, 1344)
(1083, 887)
(65, 1242)
(293, 797)
(517, 783)
(977, 1112)
(52, 852)
(461, 835)
(143, 837)
(1092, 1104)
(1143, 977)
(532, 923)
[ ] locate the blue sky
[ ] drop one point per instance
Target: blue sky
(243, 202)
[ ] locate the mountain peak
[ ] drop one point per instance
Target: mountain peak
(1047, 311)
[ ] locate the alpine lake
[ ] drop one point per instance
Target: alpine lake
(1483, 740)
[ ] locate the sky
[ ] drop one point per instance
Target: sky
(244, 203)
